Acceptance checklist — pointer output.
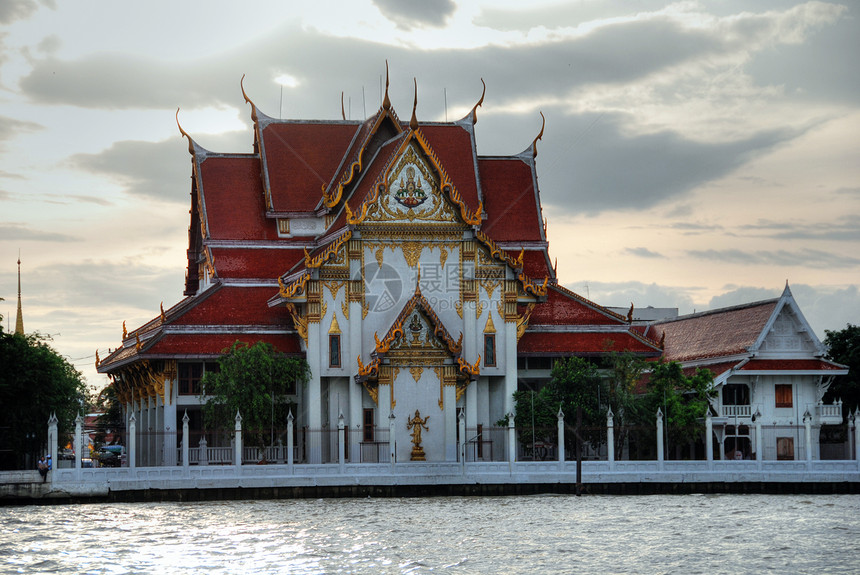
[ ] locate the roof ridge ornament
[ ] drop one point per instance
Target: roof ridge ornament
(248, 100)
(413, 123)
(185, 134)
(474, 112)
(539, 136)
(386, 102)
(342, 115)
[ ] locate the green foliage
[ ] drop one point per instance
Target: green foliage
(111, 415)
(682, 399)
(253, 381)
(35, 381)
(844, 347)
(624, 371)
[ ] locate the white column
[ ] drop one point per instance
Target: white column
(341, 442)
(185, 439)
(314, 395)
(132, 440)
(560, 417)
(857, 436)
(79, 444)
(392, 443)
(510, 337)
(807, 424)
(52, 441)
(610, 438)
(463, 438)
(512, 438)
(290, 439)
(709, 436)
(237, 441)
(759, 442)
(170, 428)
(660, 437)
(449, 398)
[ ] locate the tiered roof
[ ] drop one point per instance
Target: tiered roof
(330, 170)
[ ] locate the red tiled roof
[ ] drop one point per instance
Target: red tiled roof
(718, 333)
(579, 343)
(791, 365)
(510, 201)
(233, 197)
(233, 305)
(452, 144)
(535, 264)
(215, 344)
(256, 263)
(301, 158)
(564, 307)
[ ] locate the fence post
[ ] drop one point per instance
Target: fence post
(79, 448)
(857, 436)
(660, 438)
(560, 416)
(237, 443)
(807, 424)
(392, 445)
(185, 438)
(512, 440)
(759, 441)
(709, 437)
(52, 441)
(341, 440)
(462, 428)
(610, 438)
(132, 440)
(290, 440)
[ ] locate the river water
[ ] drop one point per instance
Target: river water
(683, 534)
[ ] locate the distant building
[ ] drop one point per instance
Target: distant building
(768, 366)
(411, 272)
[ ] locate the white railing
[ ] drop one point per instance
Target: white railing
(830, 411)
(737, 411)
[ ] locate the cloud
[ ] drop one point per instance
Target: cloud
(12, 10)
(844, 229)
(643, 253)
(806, 257)
(416, 13)
(14, 232)
(620, 294)
(10, 127)
(158, 170)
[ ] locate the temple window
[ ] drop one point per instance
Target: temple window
(736, 394)
(190, 373)
(334, 350)
(489, 349)
(783, 395)
(367, 425)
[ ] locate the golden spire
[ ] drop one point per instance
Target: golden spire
(386, 102)
(413, 123)
(19, 319)
(539, 136)
(474, 113)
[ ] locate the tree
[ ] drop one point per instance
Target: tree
(624, 372)
(844, 347)
(111, 416)
(682, 399)
(35, 381)
(255, 381)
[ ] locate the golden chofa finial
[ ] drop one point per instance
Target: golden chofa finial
(248, 100)
(386, 102)
(539, 136)
(124, 331)
(413, 123)
(480, 103)
(161, 307)
(342, 112)
(185, 134)
(98, 361)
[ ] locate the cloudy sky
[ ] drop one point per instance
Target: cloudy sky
(696, 154)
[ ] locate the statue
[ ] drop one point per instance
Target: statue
(415, 424)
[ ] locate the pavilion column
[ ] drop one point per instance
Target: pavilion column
(461, 453)
(356, 411)
(510, 343)
(512, 439)
(610, 438)
(171, 427)
(132, 441)
(560, 417)
(78, 443)
(807, 436)
(660, 457)
(237, 441)
(709, 436)
(314, 407)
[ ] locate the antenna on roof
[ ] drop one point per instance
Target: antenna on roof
(446, 104)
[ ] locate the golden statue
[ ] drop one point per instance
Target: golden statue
(415, 424)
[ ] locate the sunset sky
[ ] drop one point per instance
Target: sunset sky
(696, 154)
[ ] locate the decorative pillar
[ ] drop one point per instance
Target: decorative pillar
(132, 440)
(237, 443)
(290, 441)
(807, 424)
(610, 438)
(512, 439)
(52, 441)
(79, 447)
(341, 440)
(462, 450)
(449, 398)
(560, 417)
(709, 436)
(857, 436)
(185, 438)
(392, 444)
(660, 437)
(202, 451)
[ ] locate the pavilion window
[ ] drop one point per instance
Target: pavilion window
(367, 425)
(190, 374)
(334, 350)
(783, 395)
(490, 349)
(736, 394)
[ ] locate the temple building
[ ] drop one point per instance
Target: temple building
(410, 271)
